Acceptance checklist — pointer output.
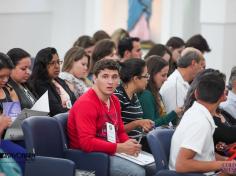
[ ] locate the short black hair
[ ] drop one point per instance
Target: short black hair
(210, 88)
(16, 54)
(105, 64)
(198, 42)
(126, 44)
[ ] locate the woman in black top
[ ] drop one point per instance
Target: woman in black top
(45, 77)
(19, 76)
(5, 121)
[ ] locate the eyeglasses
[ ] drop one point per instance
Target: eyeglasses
(53, 63)
(147, 76)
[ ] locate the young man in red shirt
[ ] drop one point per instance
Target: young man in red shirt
(95, 124)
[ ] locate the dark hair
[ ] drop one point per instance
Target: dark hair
(130, 68)
(210, 88)
(126, 44)
(190, 97)
(158, 50)
(175, 42)
(5, 62)
(198, 42)
(105, 64)
(186, 59)
(42, 59)
(84, 41)
(102, 49)
(100, 35)
(17, 54)
(154, 65)
(72, 55)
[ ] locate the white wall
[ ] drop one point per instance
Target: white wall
(179, 18)
(35, 24)
(25, 24)
(218, 25)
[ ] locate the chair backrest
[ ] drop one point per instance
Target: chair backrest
(43, 136)
(159, 141)
(62, 121)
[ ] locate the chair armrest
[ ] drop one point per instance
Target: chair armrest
(95, 161)
(49, 166)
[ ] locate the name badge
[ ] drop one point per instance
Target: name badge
(111, 133)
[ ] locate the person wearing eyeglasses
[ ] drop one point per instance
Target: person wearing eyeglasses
(45, 77)
(150, 98)
(19, 76)
(134, 77)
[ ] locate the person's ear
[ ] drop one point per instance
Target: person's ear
(127, 54)
(223, 97)
(193, 62)
(135, 78)
(171, 48)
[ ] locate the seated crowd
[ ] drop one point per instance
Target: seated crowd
(115, 96)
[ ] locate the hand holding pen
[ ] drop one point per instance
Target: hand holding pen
(145, 124)
(143, 133)
(141, 136)
(130, 147)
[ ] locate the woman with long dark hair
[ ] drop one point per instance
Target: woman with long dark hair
(45, 77)
(8, 146)
(19, 77)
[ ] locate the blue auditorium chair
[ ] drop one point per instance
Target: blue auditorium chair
(43, 139)
(48, 166)
(159, 141)
(95, 161)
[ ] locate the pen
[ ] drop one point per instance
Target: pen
(141, 136)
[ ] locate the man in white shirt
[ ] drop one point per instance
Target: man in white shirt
(230, 104)
(175, 89)
(192, 146)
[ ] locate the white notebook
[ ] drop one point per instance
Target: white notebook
(142, 159)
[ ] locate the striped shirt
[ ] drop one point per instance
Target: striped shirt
(130, 109)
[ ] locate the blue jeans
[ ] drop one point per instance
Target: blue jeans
(123, 167)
